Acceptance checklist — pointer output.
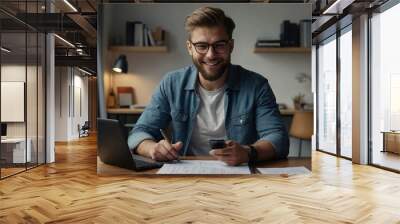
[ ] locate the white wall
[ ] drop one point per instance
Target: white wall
(61, 103)
(253, 21)
(16, 73)
(70, 83)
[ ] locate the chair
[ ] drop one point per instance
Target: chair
(84, 130)
(302, 126)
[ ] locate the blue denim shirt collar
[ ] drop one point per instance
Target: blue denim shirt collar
(233, 82)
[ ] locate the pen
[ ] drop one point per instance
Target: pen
(167, 139)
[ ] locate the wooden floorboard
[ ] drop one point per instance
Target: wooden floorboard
(69, 191)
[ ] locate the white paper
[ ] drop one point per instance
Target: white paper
(202, 167)
(285, 170)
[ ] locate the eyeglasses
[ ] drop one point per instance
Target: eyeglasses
(220, 47)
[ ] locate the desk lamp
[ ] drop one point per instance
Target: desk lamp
(120, 66)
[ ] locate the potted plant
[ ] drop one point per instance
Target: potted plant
(298, 101)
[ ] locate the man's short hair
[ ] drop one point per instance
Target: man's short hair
(209, 17)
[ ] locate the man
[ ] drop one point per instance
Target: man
(212, 99)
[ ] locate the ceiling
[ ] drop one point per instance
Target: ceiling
(74, 21)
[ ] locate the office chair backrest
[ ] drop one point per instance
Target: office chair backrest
(86, 125)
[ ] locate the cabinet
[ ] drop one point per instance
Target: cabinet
(13, 150)
(391, 141)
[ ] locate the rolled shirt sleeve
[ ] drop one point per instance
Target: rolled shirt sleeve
(269, 123)
(155, 117)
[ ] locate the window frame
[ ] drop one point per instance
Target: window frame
(343, 26)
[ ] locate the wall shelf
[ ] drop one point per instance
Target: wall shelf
(281, 50)
(133, 49)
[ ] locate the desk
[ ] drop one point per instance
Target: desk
(109, 170)
(127, 115)
(391, 141)
(139, 111)
(125, 111)
(13, 150)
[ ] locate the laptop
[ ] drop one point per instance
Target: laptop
(112, 148)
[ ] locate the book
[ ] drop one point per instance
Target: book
(290, 34)
(266, 46)
(268, 43)
(305, 33)
(130, 28)
(138, 34)
(130, 32)
(151, 38)
(159, 36)
(145, 38)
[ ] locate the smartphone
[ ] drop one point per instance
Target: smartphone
(217, 143)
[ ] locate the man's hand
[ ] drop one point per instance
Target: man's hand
(165, 151)
(233, 154)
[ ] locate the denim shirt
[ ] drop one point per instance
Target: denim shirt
(251, 112)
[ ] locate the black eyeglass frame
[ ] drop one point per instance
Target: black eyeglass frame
(195, 45)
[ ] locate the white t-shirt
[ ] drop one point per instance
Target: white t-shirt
(210, 120)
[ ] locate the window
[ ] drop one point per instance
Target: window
(385, 88)
(333, 137)
(327, 95)
(346, 92)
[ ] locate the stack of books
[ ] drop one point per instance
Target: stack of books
(290, 34)
(268, 43)
(139, 34)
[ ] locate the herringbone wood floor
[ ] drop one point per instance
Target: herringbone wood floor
(69, 191)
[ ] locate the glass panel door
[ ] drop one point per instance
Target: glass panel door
(31, 98)
(22, 87)
(14, 154)
(385, 89)
(346, 93)
(327, 96)
(41, 99)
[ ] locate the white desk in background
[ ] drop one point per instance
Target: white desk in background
(16, 147)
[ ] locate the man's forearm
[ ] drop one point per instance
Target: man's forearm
(265, 150)
(144, 147)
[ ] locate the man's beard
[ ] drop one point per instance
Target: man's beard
(211, 76)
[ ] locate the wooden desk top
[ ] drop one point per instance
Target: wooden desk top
(109, 170)
(124, 111)
(391, 132)
(140, 110)
(14, 140)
